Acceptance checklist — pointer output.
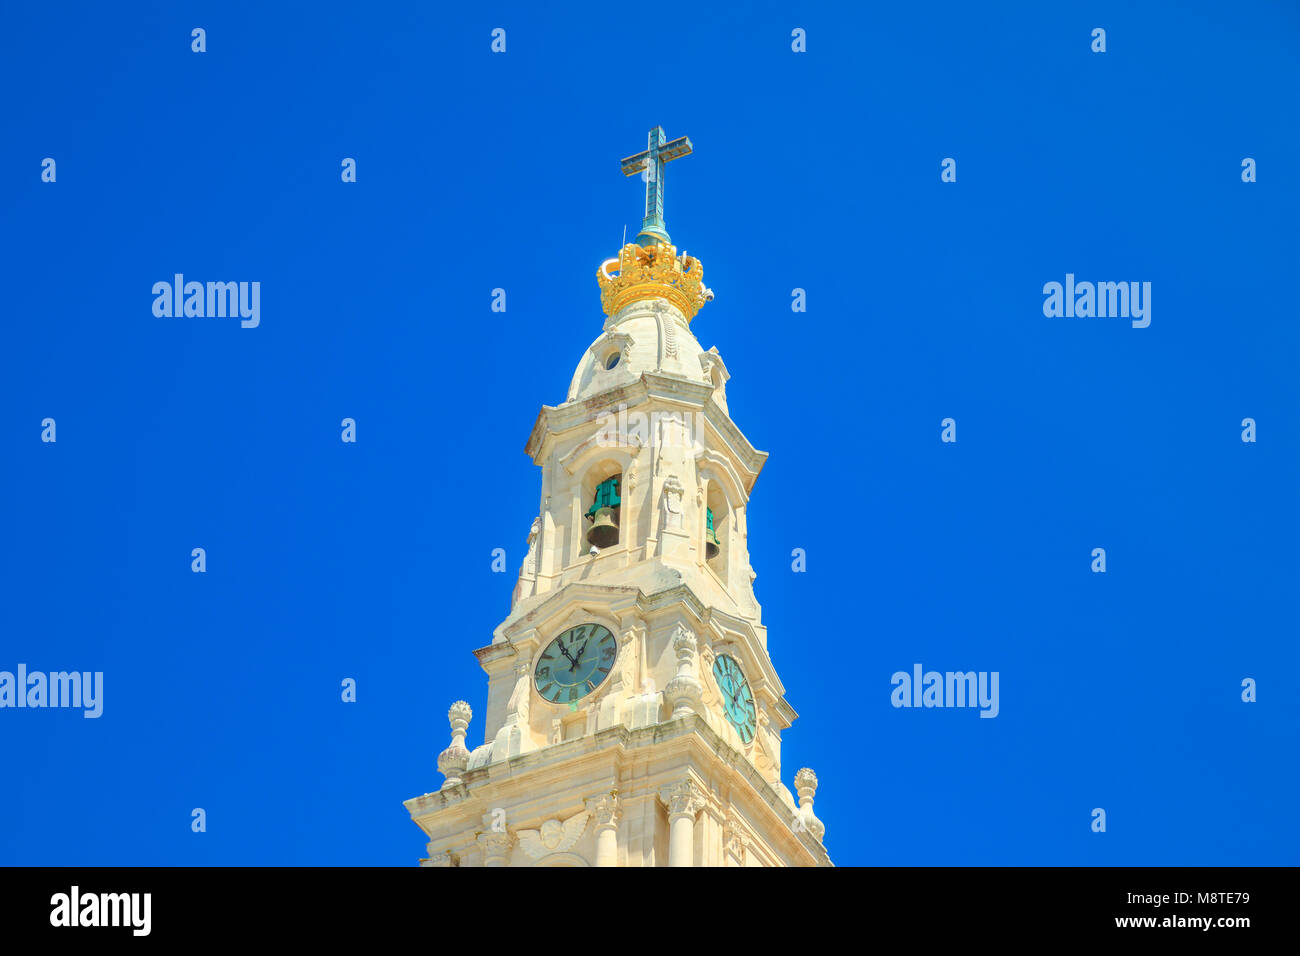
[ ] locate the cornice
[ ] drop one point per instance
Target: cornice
(516, 777)
(554, 421)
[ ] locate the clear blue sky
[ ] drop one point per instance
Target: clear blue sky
(818, 171)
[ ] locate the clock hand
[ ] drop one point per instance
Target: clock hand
(573, 661)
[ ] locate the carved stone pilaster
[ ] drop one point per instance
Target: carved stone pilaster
(605, 815)
(684, 800)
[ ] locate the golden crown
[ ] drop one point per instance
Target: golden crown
(653, 272)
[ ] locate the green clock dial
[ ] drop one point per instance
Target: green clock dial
(575, 663)
(737, 699)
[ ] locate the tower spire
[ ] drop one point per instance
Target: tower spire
(650, 268)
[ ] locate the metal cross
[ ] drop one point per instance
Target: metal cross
(658, 152)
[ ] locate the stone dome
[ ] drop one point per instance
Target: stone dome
(650, 335)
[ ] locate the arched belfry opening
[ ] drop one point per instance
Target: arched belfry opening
(712, 547)
(717, 527)
(602, 501)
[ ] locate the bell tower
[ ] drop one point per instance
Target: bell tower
(633, 715)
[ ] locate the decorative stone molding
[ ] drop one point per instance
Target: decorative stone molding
(517, 706)
(766, 746)
(684, 692)
(673, 435)
(671, 502)
(605, 809)
(629, 654)
(515, 737)
(527, 581)
(667, 326)
(453, 760)
(683, 799)
(553, 836)
(441, 859)
(735, 838)
(604, 443)
(711, 363)
(620, 341)
(495, 847)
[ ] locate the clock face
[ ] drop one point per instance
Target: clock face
(737, 699)
(575, 663)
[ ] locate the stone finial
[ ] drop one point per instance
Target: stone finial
(684, 646)
(459, 714)
(805, 782)
(453, 760)
(684, 692)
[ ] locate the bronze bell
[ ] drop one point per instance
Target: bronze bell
(711, 544)
(603, 532)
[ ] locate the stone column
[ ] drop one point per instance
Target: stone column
(606, 812)
(683, 800)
